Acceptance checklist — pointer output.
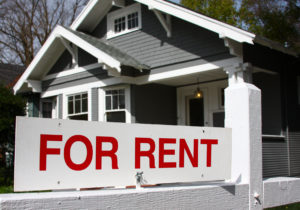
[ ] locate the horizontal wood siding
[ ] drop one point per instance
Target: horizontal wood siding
(294, 139)
(275, 158)
(76, 79)
(151, 46)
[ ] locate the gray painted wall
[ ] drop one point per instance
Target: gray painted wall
(151, 46)
(154, 104)
(63, 63)
(275, 157)
(60, 106)
(85, 77)
(271, 102)
(95, 104)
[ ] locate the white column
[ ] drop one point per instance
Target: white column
(243, 115)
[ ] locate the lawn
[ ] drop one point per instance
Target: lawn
(6, 189)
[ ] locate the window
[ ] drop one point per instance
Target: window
(115, 105)
(78, 106)
(124, 20)
(48, 108)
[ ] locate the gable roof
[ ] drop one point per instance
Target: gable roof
(123, 58)
(53, 48)
(114, 58)
(86, 22)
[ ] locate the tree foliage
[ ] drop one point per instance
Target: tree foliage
(222, 10)
(26, 24)
(278, 20)
(10, 106)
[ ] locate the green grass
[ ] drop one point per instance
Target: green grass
(294, 206)
(6, 189)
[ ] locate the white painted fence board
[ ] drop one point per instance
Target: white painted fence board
(281, 191)
(171, 197)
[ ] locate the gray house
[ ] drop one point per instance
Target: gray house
(153, 61)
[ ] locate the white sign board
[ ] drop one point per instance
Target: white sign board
(64, 154)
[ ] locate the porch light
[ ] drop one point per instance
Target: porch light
(198, 93)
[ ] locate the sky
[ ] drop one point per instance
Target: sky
(176, 1)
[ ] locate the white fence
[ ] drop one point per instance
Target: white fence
(246, 190)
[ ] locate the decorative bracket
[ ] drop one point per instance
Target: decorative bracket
(239, 73)
(35, 85)
(72, 50)
(164, 20)
(118, 3)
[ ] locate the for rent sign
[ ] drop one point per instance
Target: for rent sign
(63, 154)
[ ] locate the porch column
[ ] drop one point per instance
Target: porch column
(243, 115)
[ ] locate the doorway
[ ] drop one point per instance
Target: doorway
(194, 111)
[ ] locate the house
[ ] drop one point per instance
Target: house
(9, 74)
(153, 61)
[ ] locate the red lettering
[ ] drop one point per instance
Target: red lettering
(163, 152)
(208, 142)
(109, 153)
(89, 152)
(184, 147)
(44, 151)
(139, 153)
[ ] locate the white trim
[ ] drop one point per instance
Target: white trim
(124, 12)
(154, 76)
(35, 85)
(223, 29)
(101, 99)
(83, 14)
(72, 71)
(60, 31)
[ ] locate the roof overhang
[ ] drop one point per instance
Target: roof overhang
(85, 22)
(52, 49)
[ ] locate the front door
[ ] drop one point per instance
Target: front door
(194, 111)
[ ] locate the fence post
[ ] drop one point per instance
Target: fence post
(243, 115)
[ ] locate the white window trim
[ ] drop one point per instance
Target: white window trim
(101, 98)
(75, 92)
(120, 13)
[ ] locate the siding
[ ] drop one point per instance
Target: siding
(294, 139)
(76, 79)
(151, 46)
(63, 63)
(154, 104)
(60, 106)
(95, 103)
(275, 158)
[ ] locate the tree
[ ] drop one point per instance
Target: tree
(278, 20)
(10, 106)
(221, 10)
(26, 24)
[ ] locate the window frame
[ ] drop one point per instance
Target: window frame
(102, 103)
(80, 113)
(124, 12)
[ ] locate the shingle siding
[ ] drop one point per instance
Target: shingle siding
(151, 46)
